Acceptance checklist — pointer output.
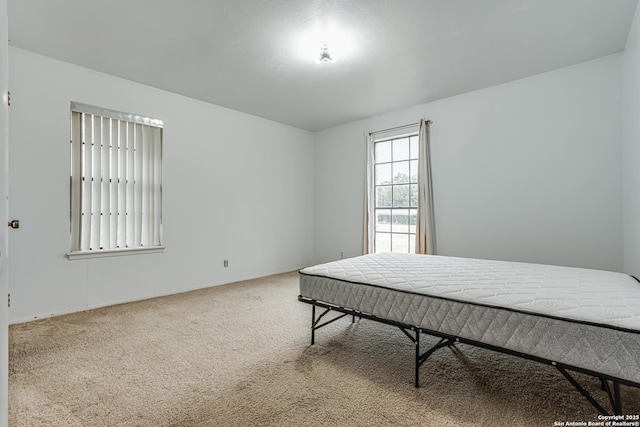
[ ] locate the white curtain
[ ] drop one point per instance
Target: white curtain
(426, 228)
(369, 197)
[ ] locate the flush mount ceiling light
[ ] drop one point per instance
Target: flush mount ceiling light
(336, 44)
(325, 56)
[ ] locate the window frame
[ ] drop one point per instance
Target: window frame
(150, 218)
(408, 135)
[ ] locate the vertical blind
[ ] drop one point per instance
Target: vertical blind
(116, 180)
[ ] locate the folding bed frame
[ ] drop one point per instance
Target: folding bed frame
(553, 315)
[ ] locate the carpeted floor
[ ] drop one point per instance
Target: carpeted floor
(239, 355)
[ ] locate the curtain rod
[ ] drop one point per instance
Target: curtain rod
(400, 127)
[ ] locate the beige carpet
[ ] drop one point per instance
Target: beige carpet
(239, 355)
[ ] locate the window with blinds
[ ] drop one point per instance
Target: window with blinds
(116, 183)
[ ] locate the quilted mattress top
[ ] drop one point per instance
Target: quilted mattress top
(591, 296)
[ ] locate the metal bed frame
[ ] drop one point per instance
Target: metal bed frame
(611, 385)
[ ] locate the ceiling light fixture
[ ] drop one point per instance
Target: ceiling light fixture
(325, 56)
(335, 44)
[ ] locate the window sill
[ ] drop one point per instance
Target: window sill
(114, 252)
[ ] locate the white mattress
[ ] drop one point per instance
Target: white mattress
(581, 318)
(592, 296)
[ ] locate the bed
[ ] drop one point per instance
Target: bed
(575, 319)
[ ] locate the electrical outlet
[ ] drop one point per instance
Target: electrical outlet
(341, 254)
(226, 263)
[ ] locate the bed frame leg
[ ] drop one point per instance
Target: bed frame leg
(421, 358)
(417, 344)
(617, 406)
(313, 324)
(614, 396)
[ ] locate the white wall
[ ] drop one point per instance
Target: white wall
(236, 187)
(527, 171)
(632, 149)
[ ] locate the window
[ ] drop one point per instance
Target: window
(399, 213)
(395, 193)
(116, 183)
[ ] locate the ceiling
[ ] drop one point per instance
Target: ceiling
(259, 56)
